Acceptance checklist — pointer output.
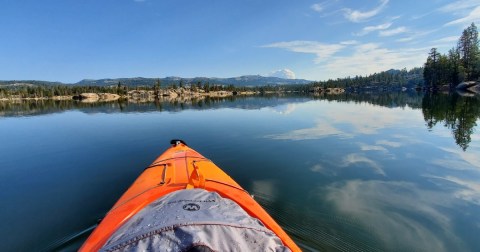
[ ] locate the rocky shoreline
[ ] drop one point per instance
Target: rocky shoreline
(142, 95)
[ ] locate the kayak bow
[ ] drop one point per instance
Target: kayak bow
(180, 171)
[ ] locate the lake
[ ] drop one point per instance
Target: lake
(353, 172)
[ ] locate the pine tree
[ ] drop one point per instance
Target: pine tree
(430, 72)
(469, 52)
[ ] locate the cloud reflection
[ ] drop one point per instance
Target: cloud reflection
(466, 190)
(461, 160)
(470, 158)
(347, 120)
(389, 143)
(321, 130)
(403, 216)
(356, 158)
(320, 168)
(284, 109)
(366, 147)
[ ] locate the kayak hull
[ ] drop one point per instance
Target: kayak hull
(178, 168)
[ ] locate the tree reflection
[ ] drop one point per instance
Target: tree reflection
(458, 113)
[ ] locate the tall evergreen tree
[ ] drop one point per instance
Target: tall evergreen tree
(430, 72)
(461, 63)
(469, 52)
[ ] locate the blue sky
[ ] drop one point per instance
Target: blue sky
(70, 40)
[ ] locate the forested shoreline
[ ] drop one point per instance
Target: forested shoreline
(460, 64)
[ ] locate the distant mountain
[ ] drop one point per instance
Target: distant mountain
(28, 83)
(247, 80)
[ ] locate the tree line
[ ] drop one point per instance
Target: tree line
(461, 63)
(391, 79)
(28, 90)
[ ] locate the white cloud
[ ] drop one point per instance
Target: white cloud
(322, 6)
(473, 16)
(358, 16)
(283, 73)
(370, 58)
(386, 33)
(318, 7)
(447, 39)
(321, 50)
(363, 59)
(369, 29)
(406, 39)
(459, 7)
(349, 42)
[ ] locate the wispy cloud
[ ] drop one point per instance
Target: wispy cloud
(349, 42)
(416, 17)
(366, 30)
(321, 50)
(459, 7)
(416, 35)
(371, 58)
(359, 16)
(406, 39)
(473, 16)
(321, 7)
(392, 32)
(447, 39)
(318, 7)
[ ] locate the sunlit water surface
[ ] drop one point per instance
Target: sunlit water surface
(337, 175)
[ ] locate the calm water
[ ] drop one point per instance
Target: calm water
(392, 172)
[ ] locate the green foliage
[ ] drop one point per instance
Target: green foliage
(462, 62)
(459, 114)
(391, 79)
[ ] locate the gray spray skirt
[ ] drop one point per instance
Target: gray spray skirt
(193, 220)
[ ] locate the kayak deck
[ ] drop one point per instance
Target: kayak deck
(180, 167)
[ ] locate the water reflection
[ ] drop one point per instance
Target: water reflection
(345, 120)
(458, 113)
(402, 215)
(41, 107)
(357, 159)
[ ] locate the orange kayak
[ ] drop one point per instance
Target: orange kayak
(151, 200)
